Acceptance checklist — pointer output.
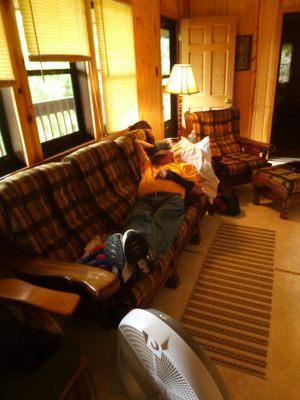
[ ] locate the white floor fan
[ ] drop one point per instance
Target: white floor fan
(158, 359)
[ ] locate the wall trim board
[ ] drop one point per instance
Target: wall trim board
(266, 71)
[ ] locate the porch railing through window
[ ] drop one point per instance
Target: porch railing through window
(2, 147)
(55, 118)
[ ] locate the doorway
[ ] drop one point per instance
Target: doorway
(286, 117)
(168, 47)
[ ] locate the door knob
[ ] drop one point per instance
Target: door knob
(228, 101)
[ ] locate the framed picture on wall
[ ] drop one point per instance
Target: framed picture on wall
(243, 52)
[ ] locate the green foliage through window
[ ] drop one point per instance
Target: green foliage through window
(2, 147)
(285, 63)
(50, 87)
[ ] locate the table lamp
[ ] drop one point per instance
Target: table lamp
(181, 81)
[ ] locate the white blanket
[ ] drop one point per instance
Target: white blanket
(199, 155)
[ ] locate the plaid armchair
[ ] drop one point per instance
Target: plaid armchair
(234, 157)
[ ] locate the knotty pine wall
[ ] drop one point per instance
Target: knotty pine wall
(146, 16)
(254, 90)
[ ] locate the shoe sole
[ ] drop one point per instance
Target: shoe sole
(129, 237)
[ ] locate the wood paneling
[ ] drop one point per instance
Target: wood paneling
(173, 8)
(146, 17)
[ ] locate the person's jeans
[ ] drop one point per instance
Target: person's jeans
(157, 218)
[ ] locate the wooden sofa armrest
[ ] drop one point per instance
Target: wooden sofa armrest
(255, 147)
(96, 282)
(53, 301)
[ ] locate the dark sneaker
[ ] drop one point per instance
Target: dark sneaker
(136, 252)
(113, 249)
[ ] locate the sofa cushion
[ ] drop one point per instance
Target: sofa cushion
(107, 176)
(202, 124)
(127, 147)
(225, 123)
(236, 164)
(47, 214)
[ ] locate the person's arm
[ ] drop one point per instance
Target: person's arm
(144, 160)
(193, 189)
(173, 176)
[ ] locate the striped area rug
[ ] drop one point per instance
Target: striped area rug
(229, 311)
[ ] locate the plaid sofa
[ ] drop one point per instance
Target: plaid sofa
(232, 164)
(55, 209)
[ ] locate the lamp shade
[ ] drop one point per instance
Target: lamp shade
(182, 80)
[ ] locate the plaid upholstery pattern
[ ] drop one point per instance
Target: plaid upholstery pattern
(237, 164)
(226, 128)
(126, 145)
(108, 178)
(184, 228)
(222, 127)
(46, 213)
(281, 179)
(142, 289)
(55, 209)
(202, 124)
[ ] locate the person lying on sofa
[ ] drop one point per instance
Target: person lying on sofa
(154, 219)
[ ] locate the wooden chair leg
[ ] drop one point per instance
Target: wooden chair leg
(211, 210)
(196, 237)
(173, 281)
(284, 209)
(256, 193)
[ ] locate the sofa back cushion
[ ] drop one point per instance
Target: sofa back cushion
(222, 127)
(46, 212)
(127, 147)
(105, 170)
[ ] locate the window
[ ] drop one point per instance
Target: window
(168, 58)
(285, 63)
(114, 23)
(56, 97)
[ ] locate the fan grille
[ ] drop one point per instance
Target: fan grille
(163, 372)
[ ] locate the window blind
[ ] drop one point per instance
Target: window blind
(114, 23)
(6, 72)
(55, 30)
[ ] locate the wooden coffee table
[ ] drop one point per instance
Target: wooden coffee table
(280, 183)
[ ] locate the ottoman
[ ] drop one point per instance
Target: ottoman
(280, 183)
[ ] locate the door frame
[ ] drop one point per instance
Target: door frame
(274, 63)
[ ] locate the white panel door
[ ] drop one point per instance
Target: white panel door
(209, 45)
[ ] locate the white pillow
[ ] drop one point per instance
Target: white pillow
(204, 145)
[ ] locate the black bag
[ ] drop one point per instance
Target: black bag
(232, 204)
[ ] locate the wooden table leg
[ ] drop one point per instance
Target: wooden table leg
(256, 193)
(284, 209)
